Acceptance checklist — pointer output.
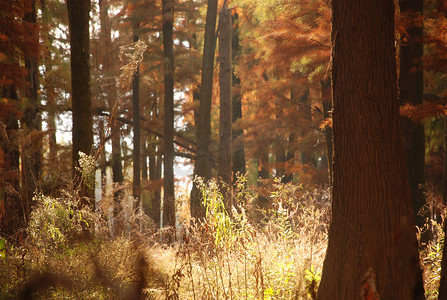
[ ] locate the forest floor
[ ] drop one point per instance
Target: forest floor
(272, 253)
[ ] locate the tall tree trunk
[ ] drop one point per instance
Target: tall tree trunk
(443, 282)
(168, 50)
(102, 157)
(238, 134)
(225, 120)
(327, 107)
(136, 130)
(32, 151)
(291, 145)
(153, 177)
(372, 230)
(202, 163)
(280, 151)
(78, 19)
(144, 157)
(411, 92)
(12, 209)
(306, 117)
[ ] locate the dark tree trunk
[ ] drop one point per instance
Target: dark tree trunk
(238, 134)
(136, 131)
(280, 151)
(372, 229)
(291, 145)
(144, 156)
(168, 50)
(306, 117)
(153, 177)
(263, 162)
(78, 19)
(12, 210)
(288, 175)
(202, 163)
(225, 122)
(411, 91)
(327, 108)
(102, 156)
(32, 152)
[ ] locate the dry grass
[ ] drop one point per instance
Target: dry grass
(272, 253)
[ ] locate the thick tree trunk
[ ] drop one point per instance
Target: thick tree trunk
(78, 19)
(372, 229)
(225, 124)
(411, 91)
(238, 134)
(168, 49)
(202, 164)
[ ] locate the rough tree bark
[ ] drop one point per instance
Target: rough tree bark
(202, 163)
(372, 229)
(32, 151)
(238, 134)
(225, 119)
(78, 20)
(136, 187)
(168, 49)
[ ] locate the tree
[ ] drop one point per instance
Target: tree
(372, 229)
(238, 134)
(225, 118)
(202, 163)
(18, 93)
(168, 50)
(78, 19)
(32, 151)
(411, 92)
(136, 127)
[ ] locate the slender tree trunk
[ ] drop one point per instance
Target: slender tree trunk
(112, 101)
(443, 282)
(238, 134)
(411, 91)
(136, 131)
(291, 147)
(202, 164)
(144, 157)
(327, 107)
(280, 151)
(78, 19)
(372, 238)
(102, 156)
(306, 116)
(225, 81)
(153, 177)
(168, 49)
(12, 210)
(32, 152)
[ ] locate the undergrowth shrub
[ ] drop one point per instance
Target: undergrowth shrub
(227, 255)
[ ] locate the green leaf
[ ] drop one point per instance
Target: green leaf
(2, 247)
